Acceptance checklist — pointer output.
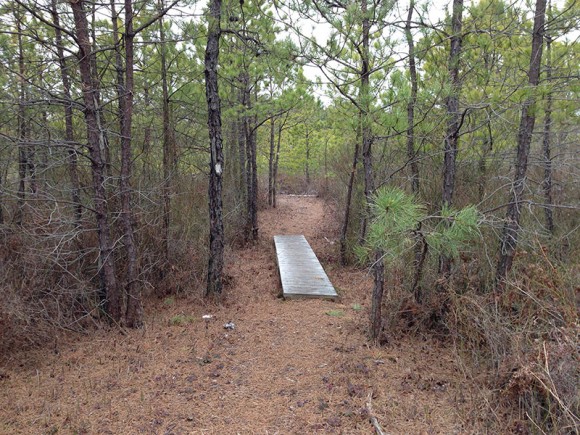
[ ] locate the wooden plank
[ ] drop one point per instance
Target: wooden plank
(301, 273)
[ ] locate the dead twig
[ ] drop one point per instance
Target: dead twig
(374, 420)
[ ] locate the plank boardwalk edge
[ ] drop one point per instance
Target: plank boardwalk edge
(301, 274)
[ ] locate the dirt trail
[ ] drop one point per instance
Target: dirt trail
(300, 366)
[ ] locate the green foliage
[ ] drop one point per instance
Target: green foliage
(396, 215)
(455, 229)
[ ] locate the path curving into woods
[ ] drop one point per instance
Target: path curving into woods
(299, 366)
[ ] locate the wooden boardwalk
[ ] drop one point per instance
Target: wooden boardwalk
(301, 273)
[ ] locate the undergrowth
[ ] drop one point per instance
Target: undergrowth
(50, 274)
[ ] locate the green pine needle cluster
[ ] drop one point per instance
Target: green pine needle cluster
(396, 216)
(454, 230)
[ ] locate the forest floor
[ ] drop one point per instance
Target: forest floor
(298, 366)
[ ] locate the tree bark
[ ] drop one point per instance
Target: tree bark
(271, 161)
(22, 125)
(411, 152)
(453, 121)
(487, 147)
(241, 133)
(509, 237)
(251, 171)
(547, 145)
(346, 219)
(420, 243)
(168, 142)
(276, 161)
(96, 145)
(378, 266)
(216, 230)
(377, 296)
(366, 133)
(307, 164)
(134, 313)
(253, 214)
(68, 118)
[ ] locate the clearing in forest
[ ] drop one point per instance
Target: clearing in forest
(296, 366)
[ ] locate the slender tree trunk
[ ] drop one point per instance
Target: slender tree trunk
(96, 145)
(420, 244)
(326, 165)
(168, 141)
(249, 161)
(241, 132)
(32, 168)
(254, 176)
(147, 130)
(367, 139)
(241, 141)
(134, 313)
(271, 161)
(307, 164)
(346, 219)
(377, 297)
(547, 145)
(216, 231)
(276, 161)
(453, 122)
(487, 147)
(378, 266)
(119, 69)
(252, 173)
(411, 152)
(106, 151)
(22, 125)
(68, 118)
(421, 249)
(509, 237)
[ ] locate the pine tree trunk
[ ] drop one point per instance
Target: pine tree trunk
(346, 219)
(411, 152)
(453, 122)
(276, 161)
(482, 166)
(134, 314)
(367, 140)
(509, 237)
(307, 164)
(22, 126)
(241, 133)
(377, 296)
(547, 145)
(168, 142)
(68, 118)
(271, 162)
(378, 266)
(216, 230)
(254, 176)
(97, 146)
(251, 172)
(420, 244)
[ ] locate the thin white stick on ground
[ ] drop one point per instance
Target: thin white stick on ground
(374, 420)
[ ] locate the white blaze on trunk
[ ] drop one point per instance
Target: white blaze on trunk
(218, 168)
